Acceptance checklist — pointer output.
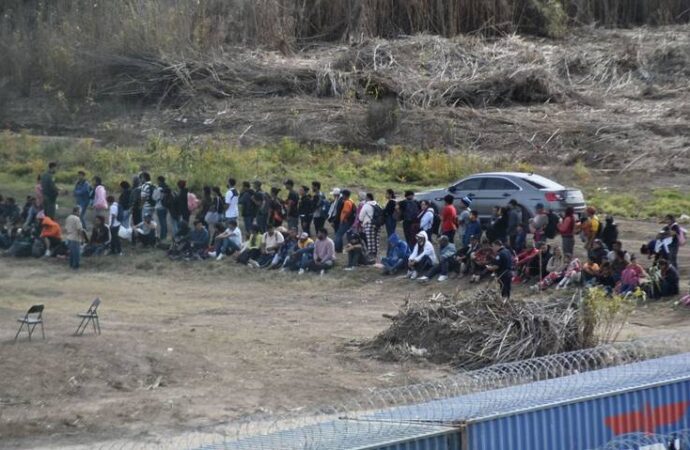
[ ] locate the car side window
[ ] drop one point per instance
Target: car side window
(499, 184)
(473, 184)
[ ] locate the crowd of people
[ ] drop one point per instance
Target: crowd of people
(291, 231)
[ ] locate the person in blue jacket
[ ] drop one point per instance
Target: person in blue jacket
(396, 256)
(473, 228)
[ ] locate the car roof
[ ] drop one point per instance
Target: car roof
(546, 182)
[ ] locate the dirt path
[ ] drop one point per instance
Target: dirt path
(188, 346)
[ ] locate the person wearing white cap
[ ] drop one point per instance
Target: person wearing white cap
(333, 210)
(423, 256)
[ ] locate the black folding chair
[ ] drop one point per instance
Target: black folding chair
(91, 315)
(33, 318)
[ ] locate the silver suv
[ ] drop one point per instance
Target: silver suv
(497, 188)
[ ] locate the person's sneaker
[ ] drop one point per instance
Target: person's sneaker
(283, 270)
(47, 253)
(323, 272)
(212, 254)
(442, 278)
(301, 272)
(534, 288)
(254, 264)
(414, 275)
(220, 257)
(349, 269)
(423, 279)
(409, 274)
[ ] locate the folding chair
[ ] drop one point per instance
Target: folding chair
(33, 317)
(91, 315)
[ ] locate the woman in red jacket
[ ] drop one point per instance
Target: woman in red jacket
(566, 228)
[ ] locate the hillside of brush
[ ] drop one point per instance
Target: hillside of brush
(601, 82)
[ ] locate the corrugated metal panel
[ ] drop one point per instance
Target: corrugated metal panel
(541, 394)
(586, 424)
(350, 435)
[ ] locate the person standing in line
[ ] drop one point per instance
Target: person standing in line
(346, 218)
(389, 213)
(74, 232)
(49, 191)
(334, 210)
(100, 198)
(409, 210)
(566, 228)
(321, 206)
(135, 202)
(305, 209)
(449, 218)
(464, 217)
(292, 205)
(125, 202)
(180, 206)
(677, 235)
(232, 197)
(502, 268)
(162, 195)
(82, 195)
(371, 228)
(426, 218)
(148, 190)
(114, 225)
(247, 206)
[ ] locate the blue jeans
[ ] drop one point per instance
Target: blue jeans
(83, 207)
(390, 225)
(225, 245)
(162, 214)
(339, 235)
(74, 253)
(125, 218)
(392, 265)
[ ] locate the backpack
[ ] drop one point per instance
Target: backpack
(324, 206)
(377, 218)
(551, 228)
(167, 199)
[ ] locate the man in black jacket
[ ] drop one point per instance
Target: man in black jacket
(50, 190)
(502, 268)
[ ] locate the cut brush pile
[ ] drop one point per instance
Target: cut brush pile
(480, 330)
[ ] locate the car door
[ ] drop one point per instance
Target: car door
(469, 187)
(495, 191)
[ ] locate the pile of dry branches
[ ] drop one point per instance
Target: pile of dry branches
(481, 330)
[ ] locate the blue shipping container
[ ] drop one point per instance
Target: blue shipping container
(585, 423)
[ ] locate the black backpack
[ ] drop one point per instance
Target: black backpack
(167, 198)
(378, 219)
(551, 228)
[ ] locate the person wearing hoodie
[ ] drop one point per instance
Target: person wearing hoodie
(609, 234)
(423, 256)
(472, 228)
(82, 195)
(371, 229)
(446, 263)
(396, 256)
(100, 198)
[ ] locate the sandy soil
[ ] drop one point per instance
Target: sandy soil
(190, 346)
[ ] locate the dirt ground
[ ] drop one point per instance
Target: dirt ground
(190, 346)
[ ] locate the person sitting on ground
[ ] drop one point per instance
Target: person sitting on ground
(573, 273)
(199, 240)
(324, 254)
(51, 233)
(422, 258)
(597, 251)
(251, 250)
(10, 212)
(609, 235)
(356, 250)
(617, 247)
(396, 256)
(605, 278)
(286, 250)
(590, 271)
(556, 267)
(618, 265)
(669, 284)
(181, 246)
(145, 232)
(472, 228)
(631, 277)
(658, 248)
(303, 255)
(464, 256)
(447, 261)
(100, 238)
(524, 260)
(271, 243)
(227, 241)
(480, 260)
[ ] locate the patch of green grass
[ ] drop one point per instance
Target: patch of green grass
(639, 205)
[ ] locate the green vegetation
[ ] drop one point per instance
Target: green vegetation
(640, 205)
(211, 162)
(605, 315)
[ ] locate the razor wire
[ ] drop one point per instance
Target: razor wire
(677, 440)
(408, 411)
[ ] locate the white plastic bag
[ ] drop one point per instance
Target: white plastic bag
(125, 233)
